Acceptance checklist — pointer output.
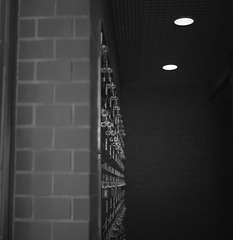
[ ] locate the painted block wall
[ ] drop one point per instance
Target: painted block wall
(56, 169)
(179, 163)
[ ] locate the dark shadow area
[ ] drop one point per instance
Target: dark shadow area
(179, 161)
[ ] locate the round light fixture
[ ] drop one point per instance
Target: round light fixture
(184, 21)
(169, 67)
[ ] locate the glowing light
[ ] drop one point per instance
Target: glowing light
(169, 67)
(184, 21)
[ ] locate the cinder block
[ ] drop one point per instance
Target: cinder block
(82, 115)
(36, 184)
(71, 231)
(23, 207)
(82, 161)
(24, 115)
(72, 138)
(35, 93)
(73, 93)
(55, 27)
(94, 161)
(36, 49)
(94, 227)
(52, 208)
(94, 187)
(82, 70)
(26, 71)
(82, 27)
(54, 70)
(94, 206)
(35, 138)
(29, 8)
(82, 209)
(32, 230)
(71, 184)
(53, 161)
(24, 160)
(73, 7)
(27, 28)
(52, 115)
(74, 48)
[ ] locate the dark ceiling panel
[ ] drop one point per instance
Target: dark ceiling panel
(147, 38)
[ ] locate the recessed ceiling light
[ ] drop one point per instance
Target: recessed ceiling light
(169, 67)
(183, 21)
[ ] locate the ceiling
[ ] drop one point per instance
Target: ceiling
(147, 39)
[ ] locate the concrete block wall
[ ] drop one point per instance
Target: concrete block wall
(56, 168)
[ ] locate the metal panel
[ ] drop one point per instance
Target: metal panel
(111, 154)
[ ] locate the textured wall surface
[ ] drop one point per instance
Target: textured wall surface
(56, 162)
(56, 173)
(179, 163)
